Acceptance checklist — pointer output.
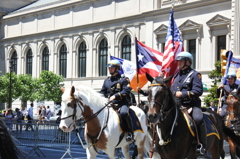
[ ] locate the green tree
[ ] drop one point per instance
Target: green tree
(5, 87)
(49, 87)
(28, 87)
(216, 77)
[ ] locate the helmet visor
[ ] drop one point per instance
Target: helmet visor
(231, 76)
(180, 58)
(113, 65)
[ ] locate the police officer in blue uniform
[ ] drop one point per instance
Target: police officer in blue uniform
(230, 87)
(187, 87)
(117, 89)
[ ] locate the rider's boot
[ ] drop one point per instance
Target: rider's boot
(130, 136)
(201, 147)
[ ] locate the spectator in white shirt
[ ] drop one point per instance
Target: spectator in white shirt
(30, 117)
(48, 112)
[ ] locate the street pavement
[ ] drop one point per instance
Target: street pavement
(76, 151)
(50, 152)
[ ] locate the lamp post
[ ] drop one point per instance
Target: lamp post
(10, 84)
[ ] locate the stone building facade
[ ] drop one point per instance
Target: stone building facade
(75, 38)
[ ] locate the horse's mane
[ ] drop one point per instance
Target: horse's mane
(92, 96)
(8, 149)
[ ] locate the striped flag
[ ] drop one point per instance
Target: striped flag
(173, 46)
(128, 68)
(148, 60)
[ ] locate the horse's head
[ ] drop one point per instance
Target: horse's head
(233, 102)
(144, 106)
(72, 108)
(158, 98)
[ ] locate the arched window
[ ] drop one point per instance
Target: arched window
(45, 59)
(29, 62)
(103, 54)
(82, 60)
(126, 48)
(14, 62)
(63, 61)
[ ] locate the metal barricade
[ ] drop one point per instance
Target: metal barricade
(46, 135)
(37, 135)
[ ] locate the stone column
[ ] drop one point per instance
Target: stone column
(236, 27)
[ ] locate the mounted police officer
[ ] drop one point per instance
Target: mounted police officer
(230, 87)
(187, 87)
(117, 89)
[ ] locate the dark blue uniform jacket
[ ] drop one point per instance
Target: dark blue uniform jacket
(228, 88)
(191, 89)
(118, 86)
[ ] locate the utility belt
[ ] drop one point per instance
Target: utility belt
(195, 101)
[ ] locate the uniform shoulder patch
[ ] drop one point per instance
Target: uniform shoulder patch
(199, 76)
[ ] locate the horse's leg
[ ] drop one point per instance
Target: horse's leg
(111, 152)
(238, 151)
(232, 148)
(140, 146)
(215, 151)
(125, 151)
(91, 153)
(222, 154)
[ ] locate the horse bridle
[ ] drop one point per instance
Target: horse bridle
(80, 104)
(163, 104)
(237, 99)
(162, 112)
(235, 112)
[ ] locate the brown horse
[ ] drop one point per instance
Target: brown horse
(232, 121)
(173, 138)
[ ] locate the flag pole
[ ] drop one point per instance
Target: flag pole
(137, 71)
(173, 2)
(219, 101)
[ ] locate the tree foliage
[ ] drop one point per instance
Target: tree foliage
(49, 87)
(5, 87)
(216, 77)
(27, 88)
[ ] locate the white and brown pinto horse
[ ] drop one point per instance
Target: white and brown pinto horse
(102, 127)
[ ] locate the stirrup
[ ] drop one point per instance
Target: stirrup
(129, 137)
(200, 150)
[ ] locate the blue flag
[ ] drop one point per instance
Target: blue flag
(232, 67)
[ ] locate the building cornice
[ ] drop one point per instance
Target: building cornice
(68, 4)
(183, 7)
(49, 7)
(72, 29)
(139, 16)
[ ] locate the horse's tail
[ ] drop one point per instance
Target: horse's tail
(230, 133)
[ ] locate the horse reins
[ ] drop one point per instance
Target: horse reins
(233, 122)
(74, 109)
(162, 112)
(73, 115)
(163, 104)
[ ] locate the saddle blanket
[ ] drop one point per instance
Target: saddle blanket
(211, 128)
(135, 122)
